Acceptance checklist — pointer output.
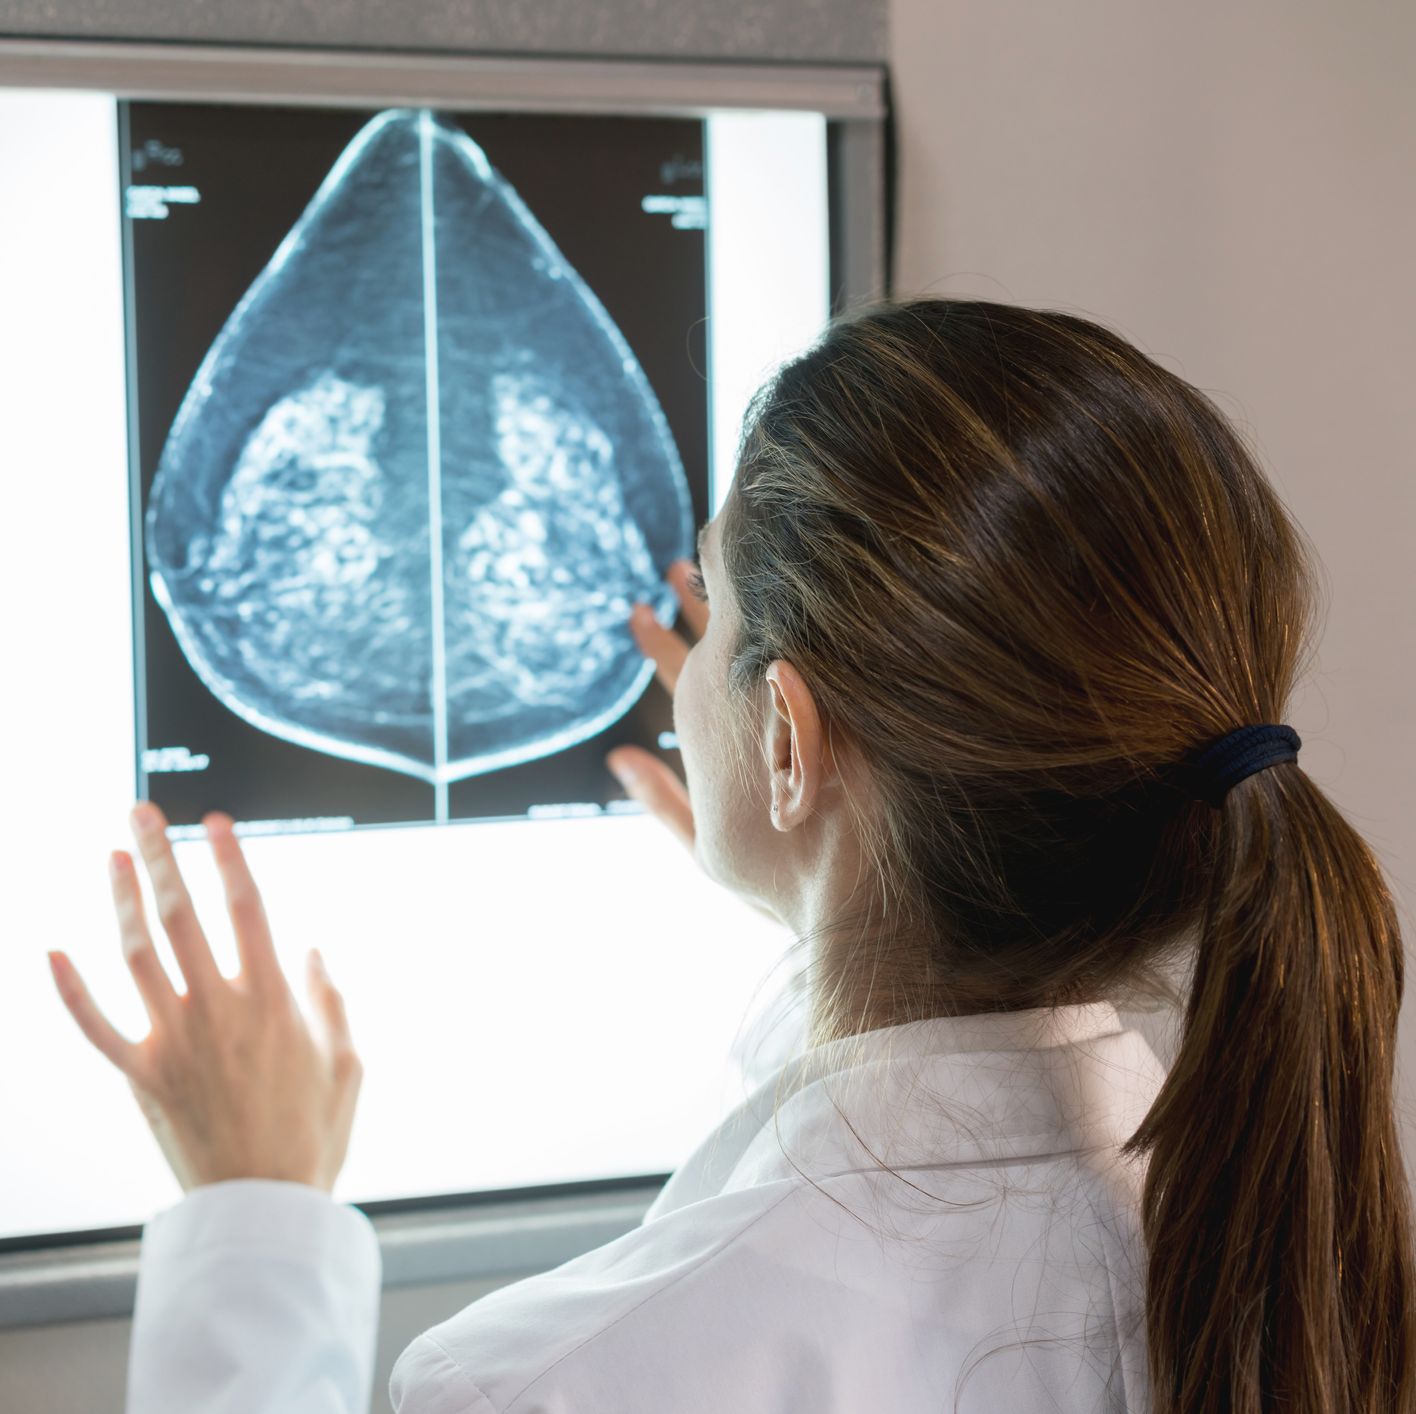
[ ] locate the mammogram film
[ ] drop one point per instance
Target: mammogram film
(419, 479)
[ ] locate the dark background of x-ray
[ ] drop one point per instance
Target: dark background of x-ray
(583, 177)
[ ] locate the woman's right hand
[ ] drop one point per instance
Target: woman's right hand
(643, 775)
(646, 778)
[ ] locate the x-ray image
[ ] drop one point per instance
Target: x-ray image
(448, 425)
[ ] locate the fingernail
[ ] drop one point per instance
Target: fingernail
(119, 862)
(625, 772)
(146, 816)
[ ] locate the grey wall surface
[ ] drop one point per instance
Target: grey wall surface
(1231, 188)
(821, 31)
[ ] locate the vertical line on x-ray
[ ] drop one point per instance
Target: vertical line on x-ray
(430, 369)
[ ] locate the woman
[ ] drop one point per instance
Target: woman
(989, 711)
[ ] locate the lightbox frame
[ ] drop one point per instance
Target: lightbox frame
(61, 1277)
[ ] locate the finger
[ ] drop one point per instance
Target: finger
(695, 611)
(259, 963)
(663, 645)
(154, 985)
(174, 903)
(330, 1004)
(654, 784)
(75, 995)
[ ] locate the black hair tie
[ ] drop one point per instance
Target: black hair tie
(1215, 769)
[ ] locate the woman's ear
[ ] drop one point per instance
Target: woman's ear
(793, 744)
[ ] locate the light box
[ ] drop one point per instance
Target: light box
(348, 403)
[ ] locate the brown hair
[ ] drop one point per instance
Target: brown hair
(1026, 571)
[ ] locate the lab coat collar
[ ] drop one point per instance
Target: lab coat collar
(931, 1093)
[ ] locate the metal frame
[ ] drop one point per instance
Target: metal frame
(321, 77)
(516, 1235)
(509, 1238)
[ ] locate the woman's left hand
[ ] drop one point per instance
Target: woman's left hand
(230, 1077)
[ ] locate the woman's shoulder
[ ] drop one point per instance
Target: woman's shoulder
(864, 1290)
(575, 1326)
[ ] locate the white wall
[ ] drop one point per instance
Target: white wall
(1233, 187)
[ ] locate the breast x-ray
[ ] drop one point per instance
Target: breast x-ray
(418, 410)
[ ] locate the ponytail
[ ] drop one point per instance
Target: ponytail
(1275, 1207)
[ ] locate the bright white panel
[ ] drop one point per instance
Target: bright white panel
(768, 258)
(534, 1002)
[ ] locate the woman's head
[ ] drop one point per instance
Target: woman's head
(986, 577)
(985, 573)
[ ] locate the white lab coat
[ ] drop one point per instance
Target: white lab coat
(779, 1271)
